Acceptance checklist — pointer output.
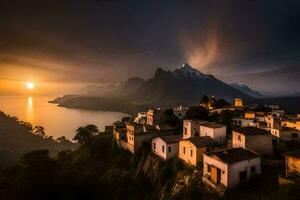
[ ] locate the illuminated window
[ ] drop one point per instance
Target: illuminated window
(208, 168)
(239, 138)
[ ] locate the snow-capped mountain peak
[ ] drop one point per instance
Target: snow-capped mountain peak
(187, 71)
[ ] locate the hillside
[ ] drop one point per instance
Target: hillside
(106, 104)
(100, 170)
(247, 90)
(289, 104)
(16, 139)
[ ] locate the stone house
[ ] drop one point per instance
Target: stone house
(153, 117)
(166, 146)
(255, 139)
(191, 128)
(216, 131)
(228, 168)
(286, 133)
(292, 168)
(191, 149)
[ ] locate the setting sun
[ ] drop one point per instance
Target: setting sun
(30, 85)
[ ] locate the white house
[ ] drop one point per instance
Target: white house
(134, 137)
(286, 133)
(241, 122)
(191, 128)
(166, 146)
(141, 118)
(153, 117)
(228, 168)
(213, 130)
(255, 139)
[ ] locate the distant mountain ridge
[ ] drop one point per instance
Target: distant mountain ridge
(247, 90)
(185, 85)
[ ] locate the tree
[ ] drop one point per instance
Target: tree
(168, 112)
(169, 118)
(36, 157)
(86, 133)
(62, 139)
(39, 131)
(220, 103)
(126, 119)
(204, 99)
(225, 118)
(197, 112)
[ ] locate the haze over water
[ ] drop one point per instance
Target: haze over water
(57, 121)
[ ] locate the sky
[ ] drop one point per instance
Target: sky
(64, 44)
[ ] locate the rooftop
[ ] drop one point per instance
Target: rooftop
(134, 124)
(293, 154)
(201, 141)
(212, 125)
(284, 128)
(194, 120)
(170, 138)
(250, 130)
(233, 155)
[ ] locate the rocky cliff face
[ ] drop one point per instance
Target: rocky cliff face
(171, 179)
(149, 165)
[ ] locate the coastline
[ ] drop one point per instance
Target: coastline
(99, 104)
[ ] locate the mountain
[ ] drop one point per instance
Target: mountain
(185, 85)
(289, 104)
(296, 94)
(247, 90)
(97, 90)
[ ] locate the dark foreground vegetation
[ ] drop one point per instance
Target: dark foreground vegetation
(99, 170)
(18, 137)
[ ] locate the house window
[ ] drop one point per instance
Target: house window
(169, 149)
(208, 168)
(185, 131)
(154, 145)
(243, 176)
(239, 138)
(191, 153)
(183, 150)
(253, 169)
(163, 149)
(294, 135)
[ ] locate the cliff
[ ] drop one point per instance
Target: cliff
(171, 179)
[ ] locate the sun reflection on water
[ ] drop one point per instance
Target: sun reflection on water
(29, 110)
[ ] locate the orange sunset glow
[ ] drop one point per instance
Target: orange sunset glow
(108, 99)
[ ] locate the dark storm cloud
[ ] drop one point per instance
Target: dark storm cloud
(110, 40)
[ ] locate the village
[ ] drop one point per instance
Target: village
(228, 153)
